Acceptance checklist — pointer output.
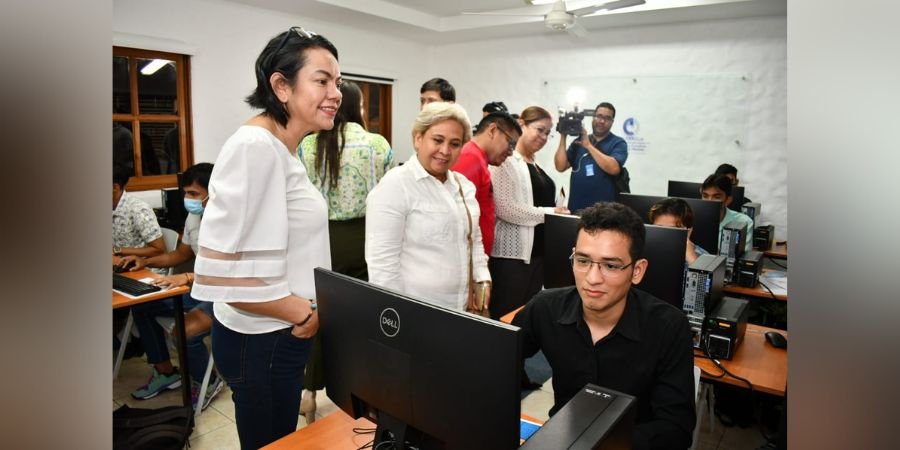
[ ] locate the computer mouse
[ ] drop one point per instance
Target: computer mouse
(776, 339)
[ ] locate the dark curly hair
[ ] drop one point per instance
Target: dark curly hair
(609, 216)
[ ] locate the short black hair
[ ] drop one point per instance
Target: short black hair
(121, 174)
(443, 88)
(198, 173)
(673, 206)
(285, 54)
(726, 169)
(606, 105)
(503, 120)
(493, 107)
(609, 216)
(718, 181)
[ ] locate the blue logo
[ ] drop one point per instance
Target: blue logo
(631, 126)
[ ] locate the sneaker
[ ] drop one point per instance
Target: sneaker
(212, 389)
(158, 382)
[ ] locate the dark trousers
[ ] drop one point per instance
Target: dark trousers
(514, 283)
(348, 256)
(265, 374)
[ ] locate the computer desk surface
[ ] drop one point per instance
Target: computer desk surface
(763, 365)
(777, 251)
(757, 291)
(333, 432)
(122, 301)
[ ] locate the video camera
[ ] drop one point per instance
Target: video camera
(570, 122)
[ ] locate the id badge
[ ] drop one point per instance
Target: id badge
(589, 170)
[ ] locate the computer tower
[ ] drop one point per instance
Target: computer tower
(703, 284)
(723, 328)
(595, 418)
(751, 209)
(734, 239)
(748, 269)
(763, 237)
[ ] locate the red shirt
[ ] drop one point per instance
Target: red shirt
(473, 164)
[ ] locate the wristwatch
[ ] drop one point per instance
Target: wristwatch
(117, 250)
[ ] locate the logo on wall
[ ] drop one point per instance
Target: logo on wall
(632, 128)
(389, 322)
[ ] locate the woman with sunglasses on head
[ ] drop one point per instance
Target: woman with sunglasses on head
(264, 229)
(523, 194)
(422, 233)
(344, 163)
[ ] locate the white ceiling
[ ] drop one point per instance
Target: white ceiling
(438, 22)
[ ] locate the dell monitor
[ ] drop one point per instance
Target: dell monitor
(689, 189)
(429, 377)
(664, 250)
(706, 217)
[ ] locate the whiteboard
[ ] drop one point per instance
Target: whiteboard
(678, 127)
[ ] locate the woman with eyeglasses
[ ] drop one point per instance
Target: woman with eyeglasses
(264, 229)
(523, 194)
(422, 233)
(344, 163)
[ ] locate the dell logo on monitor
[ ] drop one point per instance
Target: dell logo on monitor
(390, 322)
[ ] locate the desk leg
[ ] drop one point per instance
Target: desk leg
(182, 353)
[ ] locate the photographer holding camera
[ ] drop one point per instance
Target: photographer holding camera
(596, 159)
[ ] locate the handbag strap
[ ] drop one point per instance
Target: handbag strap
(469, 235)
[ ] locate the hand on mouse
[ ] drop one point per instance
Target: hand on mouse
(136, 262)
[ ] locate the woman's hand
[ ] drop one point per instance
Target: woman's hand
(171, 281)
(482, 288)
(561, 210)
(308, 329)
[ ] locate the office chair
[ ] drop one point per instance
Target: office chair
(170, 237)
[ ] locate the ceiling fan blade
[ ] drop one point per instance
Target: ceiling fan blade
(609, 6)
(499, 14)
(577, 30)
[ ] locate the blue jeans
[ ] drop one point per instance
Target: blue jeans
(265, 374)
(153, 337)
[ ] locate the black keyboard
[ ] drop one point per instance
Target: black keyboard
(131, 286)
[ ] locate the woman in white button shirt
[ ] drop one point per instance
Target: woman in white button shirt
(422, 218)
(264, 230)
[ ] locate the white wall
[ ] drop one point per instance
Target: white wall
(224, 40)
(513, 71)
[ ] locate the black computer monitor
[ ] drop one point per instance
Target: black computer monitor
(664, 251)
(689, 189)
(429, 377)
(706, 217)
(560, 232)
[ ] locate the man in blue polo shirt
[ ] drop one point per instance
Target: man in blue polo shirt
(595, 159)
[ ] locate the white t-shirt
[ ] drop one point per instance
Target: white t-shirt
(272, 223)
(416, 230)
(191, 234)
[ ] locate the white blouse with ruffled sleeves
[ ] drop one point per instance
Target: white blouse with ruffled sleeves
(264, 230)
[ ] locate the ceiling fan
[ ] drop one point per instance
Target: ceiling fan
(558, 18)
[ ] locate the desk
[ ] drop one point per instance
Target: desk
(757, 291)
(333, 432)
(765, 366)
(777, 251)
(122, 301)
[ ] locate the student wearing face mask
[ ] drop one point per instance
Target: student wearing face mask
(198, 319)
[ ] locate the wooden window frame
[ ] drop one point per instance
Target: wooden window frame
(182, 116)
